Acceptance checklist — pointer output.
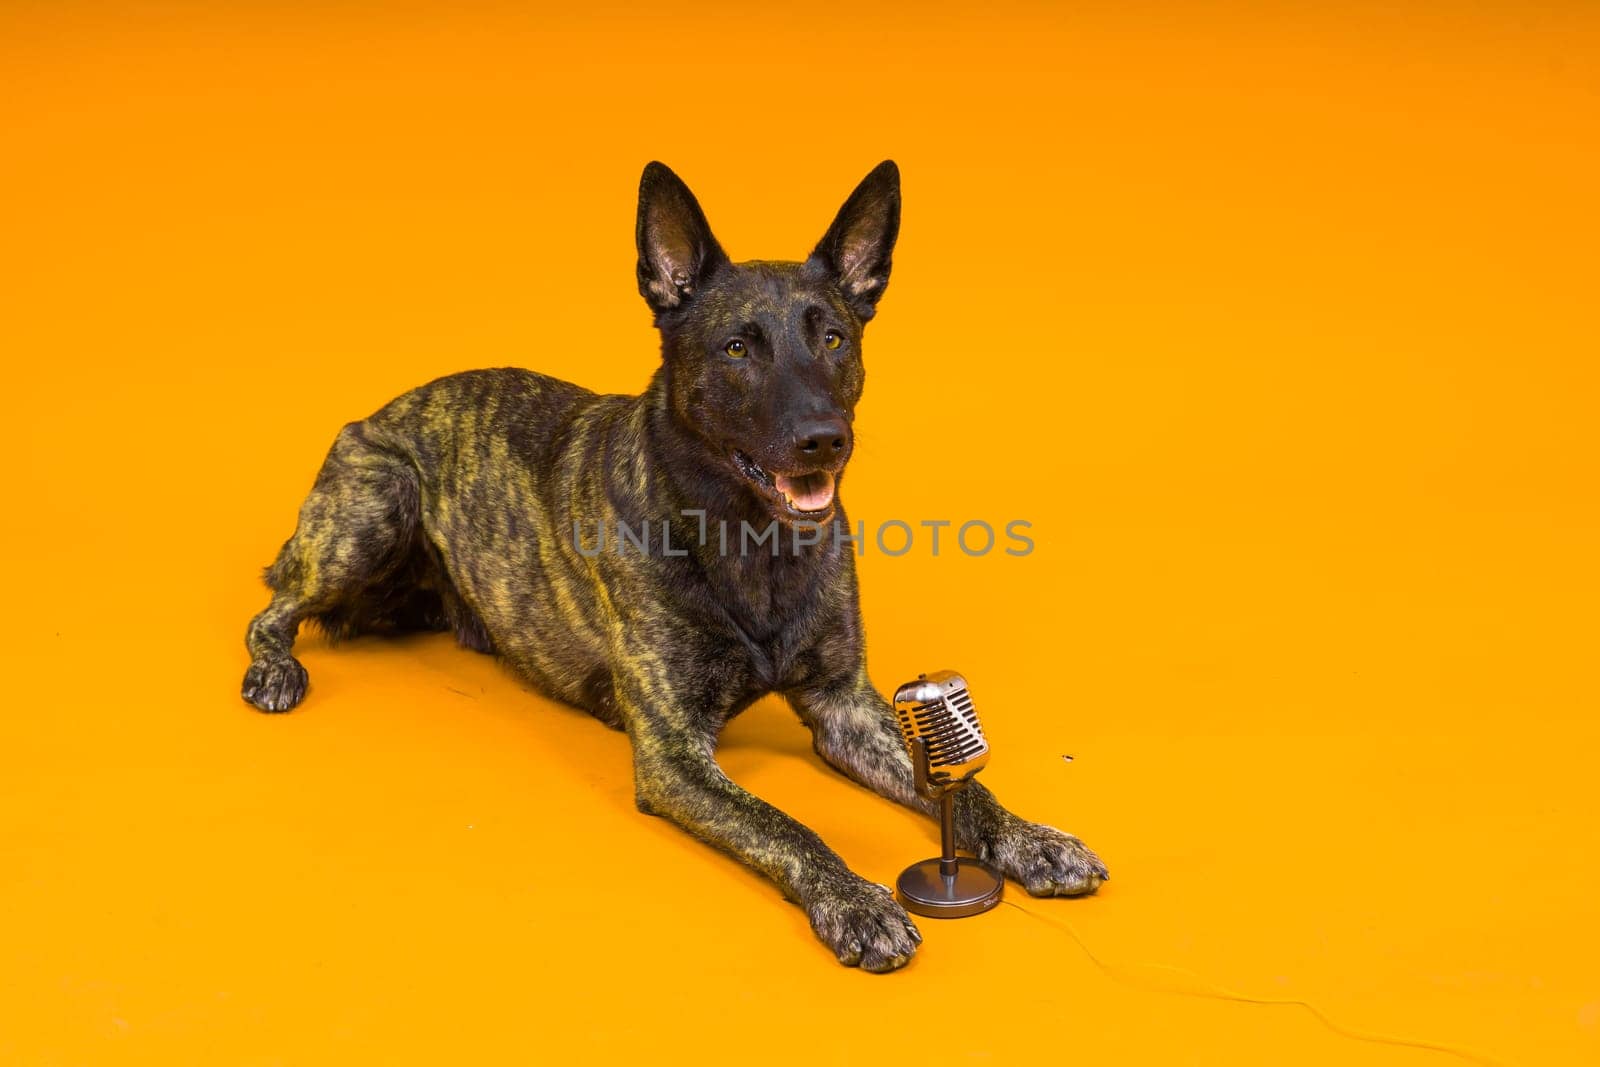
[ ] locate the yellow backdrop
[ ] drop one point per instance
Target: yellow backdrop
(1277, 321)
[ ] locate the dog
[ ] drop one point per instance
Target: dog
(473, 504)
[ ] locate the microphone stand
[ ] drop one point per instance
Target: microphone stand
(949, 886)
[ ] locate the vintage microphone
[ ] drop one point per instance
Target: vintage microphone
(941, 731)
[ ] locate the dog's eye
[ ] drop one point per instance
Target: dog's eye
(832, 340)
(736, 348)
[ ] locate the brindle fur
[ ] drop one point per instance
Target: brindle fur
(453, 508)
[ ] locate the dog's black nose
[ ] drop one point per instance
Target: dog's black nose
(821, 440)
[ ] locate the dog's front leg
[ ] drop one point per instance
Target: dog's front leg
(855, 731)
(676, 777)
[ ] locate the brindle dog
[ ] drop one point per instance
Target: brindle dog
(476, 504)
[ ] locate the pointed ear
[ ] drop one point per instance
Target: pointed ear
(857, 247)
(676, 250)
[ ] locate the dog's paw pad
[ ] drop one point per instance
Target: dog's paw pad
(275, 684)
(865, 928)
(1046, 861)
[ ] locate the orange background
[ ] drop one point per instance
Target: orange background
(1277, 321)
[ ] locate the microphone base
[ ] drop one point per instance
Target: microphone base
(972, 890)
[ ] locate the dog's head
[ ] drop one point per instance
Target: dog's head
(763, 359)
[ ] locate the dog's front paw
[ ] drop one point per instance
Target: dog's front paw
(864, 927)
(1046, 861)
(275, 684)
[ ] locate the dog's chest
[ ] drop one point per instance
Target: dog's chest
(771, 613)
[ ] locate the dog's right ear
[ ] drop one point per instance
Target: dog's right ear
(676, 249)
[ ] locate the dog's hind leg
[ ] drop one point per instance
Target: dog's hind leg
(356, 526)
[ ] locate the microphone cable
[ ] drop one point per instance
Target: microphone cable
(1210, 991)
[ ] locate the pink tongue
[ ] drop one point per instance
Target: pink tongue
(807, 492)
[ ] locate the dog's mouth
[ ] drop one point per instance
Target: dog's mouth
(807, 496)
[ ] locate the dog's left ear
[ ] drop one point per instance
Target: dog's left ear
(857, 247)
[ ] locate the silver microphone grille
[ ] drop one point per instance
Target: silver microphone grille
(937, 708)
